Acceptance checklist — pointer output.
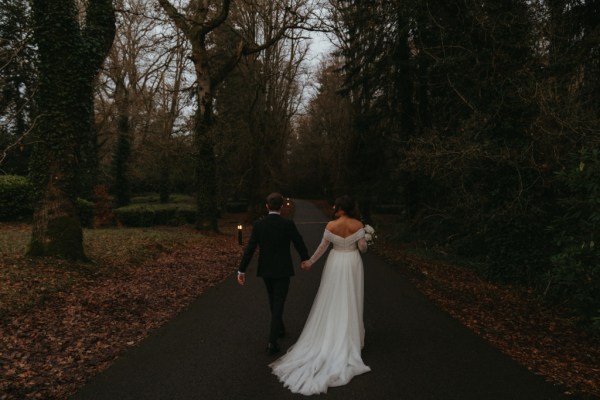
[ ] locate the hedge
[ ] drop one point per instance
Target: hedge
(16, 198)
(236, 206)
(143, 215)
(155, 198)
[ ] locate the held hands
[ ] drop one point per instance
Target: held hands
(306, 265)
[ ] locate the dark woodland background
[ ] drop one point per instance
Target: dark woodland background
(473, 124)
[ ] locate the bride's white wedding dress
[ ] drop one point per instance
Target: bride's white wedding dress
(327, 352)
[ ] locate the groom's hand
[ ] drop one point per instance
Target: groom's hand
(241, 278)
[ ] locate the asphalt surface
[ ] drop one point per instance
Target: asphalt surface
(216, 348)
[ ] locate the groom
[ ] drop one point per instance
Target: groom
(273, 235)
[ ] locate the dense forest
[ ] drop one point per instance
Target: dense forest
(477, 122)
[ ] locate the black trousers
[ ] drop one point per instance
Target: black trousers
(277, 289)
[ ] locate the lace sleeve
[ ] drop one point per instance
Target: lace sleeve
(362, 242)
(320, 250)
(362, 245)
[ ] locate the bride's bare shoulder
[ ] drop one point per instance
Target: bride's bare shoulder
(331, 226)
(337, 227)
(356, 224)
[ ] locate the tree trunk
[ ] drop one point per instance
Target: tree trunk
(87, 173)
(69, 60)
(206, 207)
(206, 164)
(121, 189)
(56, 227)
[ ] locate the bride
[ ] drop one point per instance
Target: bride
(327, 352)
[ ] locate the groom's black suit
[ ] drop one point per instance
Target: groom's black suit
(273, 234)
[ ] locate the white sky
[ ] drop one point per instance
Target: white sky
(319, 48)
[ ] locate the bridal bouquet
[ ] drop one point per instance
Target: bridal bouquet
(370, 235)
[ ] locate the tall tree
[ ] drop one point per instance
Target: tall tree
(196, 26)
(318, 161)
(372, 39)
(171, 103)
(275, 102)
(121, 186)
(137, 62)
(139, 100)
(72, 48)
(198, 21)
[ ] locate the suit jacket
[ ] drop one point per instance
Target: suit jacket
(273, 234)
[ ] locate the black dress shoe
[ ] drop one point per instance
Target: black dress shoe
(272, 348)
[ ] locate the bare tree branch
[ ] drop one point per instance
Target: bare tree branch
(217, 21)
(180, 21)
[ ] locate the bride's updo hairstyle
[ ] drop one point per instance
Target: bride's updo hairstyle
(346, 203)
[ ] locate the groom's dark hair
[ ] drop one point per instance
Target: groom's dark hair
(275, 201)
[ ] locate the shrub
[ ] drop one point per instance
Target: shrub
(236, 206)
(574, 279)
(155, 198)
(141, 215)
(518, 249)
(85, 208)
(145, 198)
(16, 197)
(103, 214)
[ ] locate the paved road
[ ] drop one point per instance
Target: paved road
(216, 348)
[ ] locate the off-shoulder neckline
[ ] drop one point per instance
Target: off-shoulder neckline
(342, 237)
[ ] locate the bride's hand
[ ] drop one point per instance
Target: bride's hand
(305, 265)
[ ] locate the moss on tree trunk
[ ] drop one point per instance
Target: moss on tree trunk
(70, 56)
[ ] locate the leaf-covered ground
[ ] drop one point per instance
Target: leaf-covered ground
(61, 323)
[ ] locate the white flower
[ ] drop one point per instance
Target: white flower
(370, 234)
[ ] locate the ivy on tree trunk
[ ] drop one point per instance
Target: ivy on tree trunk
(70, 55)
